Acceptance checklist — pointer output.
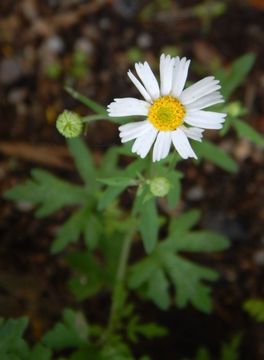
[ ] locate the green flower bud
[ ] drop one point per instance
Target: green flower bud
(159, 186)
(69, 124)
(234, 109)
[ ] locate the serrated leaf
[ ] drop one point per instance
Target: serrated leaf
(77, 321)
(70, 231)
(83, 161)
(40, 352)
(109, 162)
(195, 241)
(149, 225)
(187, 278)
(70, 333)
(183, 222)
(158, 289)
(234, 76)
(61, 337)
(109, 195)
(141, 272)
(47, 191)
(11, 342)
(117, 181)
(216, 155)
(92, 230)
(174, 194)
(150, 275)
(247, 131)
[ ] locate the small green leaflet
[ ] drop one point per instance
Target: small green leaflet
(118, 181)
(72, 332)
(174, 194)
(149, 225)
(11, 333)
(181, 223)
(71, 230)
(121, 183)
(247, 131)
(40, 352)
(216, 155)
(83, 161)
(149, 330)
(233, 77)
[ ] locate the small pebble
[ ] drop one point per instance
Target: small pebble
(10, 71)
(144, 40)
(196, 193)
(259, 257)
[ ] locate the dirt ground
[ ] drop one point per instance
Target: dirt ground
(90, 45)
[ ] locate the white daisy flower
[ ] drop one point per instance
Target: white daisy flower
(172, 115)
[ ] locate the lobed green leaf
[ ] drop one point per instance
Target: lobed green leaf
(47, 191)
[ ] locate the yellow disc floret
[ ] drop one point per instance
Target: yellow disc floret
(166, 113)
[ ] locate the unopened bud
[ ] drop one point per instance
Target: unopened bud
(234, 109)
(159, 186)
(69, 124)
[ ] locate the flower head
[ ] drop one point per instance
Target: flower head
(69, 124)
(172, 114)
(159, 186)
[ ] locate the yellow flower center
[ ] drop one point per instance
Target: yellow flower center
(166, 113)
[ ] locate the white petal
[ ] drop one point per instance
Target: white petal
(162, 145)
(193, 132)
(182, 144)
(205, 101)
(143, 143)
(209, 115)
(133, 130)
(132, 126)
(205, 119)
(139, 86)
(148, 79)
(166, 74)
(128, 107)
(180, 75)
(203, 87)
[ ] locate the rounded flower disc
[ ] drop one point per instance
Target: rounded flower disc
(173, 115)
(166, 113)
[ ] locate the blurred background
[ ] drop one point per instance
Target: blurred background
(89, 45)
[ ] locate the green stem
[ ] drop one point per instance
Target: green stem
(89, 118)
(119, 295)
